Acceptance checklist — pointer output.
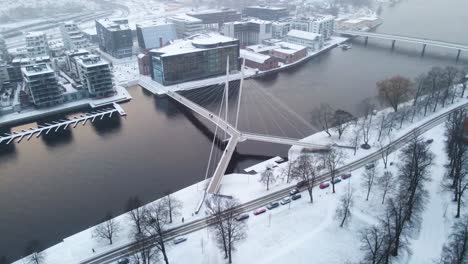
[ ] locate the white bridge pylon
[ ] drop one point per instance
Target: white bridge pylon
(236, 136)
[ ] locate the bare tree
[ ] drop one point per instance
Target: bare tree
(343, 211)
(369, 178)
(267, 177)
(356, 137)
(385, 183)
(451, 75)
(394, 91)
(323, 117)
(228, 231)
(366, 127)
(286, 171)
(341, 121)
(305, 170)
(34, 253)
(463, 80)
(385, 148)
(332, 159)
(154, 226)
(173, 206)
(142, 253)
(456, 177)
(108, 229)
(435, 81)
(455, 251)
(135, 213)
(373, 242)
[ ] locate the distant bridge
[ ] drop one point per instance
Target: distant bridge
(394, 38)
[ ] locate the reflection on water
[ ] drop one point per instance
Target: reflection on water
(108, 125)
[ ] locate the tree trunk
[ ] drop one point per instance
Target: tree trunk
(310, 195)
(344, 218)
(383, 197)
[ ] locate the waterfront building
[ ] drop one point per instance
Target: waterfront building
(280, 29)
(214, 18)
(71, 65)
(198, 57)
(155, 34)
(248, 32)
(323, 25)
(4, 78)
(4, 55)
(186, 25)
(311, 40)
(95, 75)
(72, 36)
(144, 64)
(14, 69)
(259, 61)
(261, 48)
(288, 52)
(42, 85)
(361, 23)
(115, 37)
(36, 44)
(266, 12)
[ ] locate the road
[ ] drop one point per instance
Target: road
(190, 227)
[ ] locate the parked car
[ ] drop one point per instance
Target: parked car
(285, 200)
(429, 141)
(301, 184)
(324, 185)
(369, 166)
(345, 176)
(272, 205)
(123, 261)
(294, 191)
(296, 196)
(259, 211)
(336, 180)
(179, 240)
(242, 217)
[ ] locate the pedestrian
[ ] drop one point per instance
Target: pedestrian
(94, 250)
(182, 219)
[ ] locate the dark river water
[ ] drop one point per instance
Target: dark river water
(56, 186)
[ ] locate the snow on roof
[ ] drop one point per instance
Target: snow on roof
(253, 56)
(260, 48)
(267, 7)
(114, 24)
(251, 20)
(181, 46)
(152, 23)
(185, 18)
(288, 48)
(210, 11)
(354, 21)
(369, 18)
(91, 61)
(303, 34)
(35, 34)
(36, 69)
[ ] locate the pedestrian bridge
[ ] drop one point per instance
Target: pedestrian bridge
(394, 38)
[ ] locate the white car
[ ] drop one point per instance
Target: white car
(285, 201)
(179, 240)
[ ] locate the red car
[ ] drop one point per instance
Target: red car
(324, 185)
(259, 211)
(345, 176)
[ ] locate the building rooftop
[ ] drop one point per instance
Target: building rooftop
(91, 61)
(76, 52)
(288, 48)
(152, 23)
(193, 43)
(33, 34)
(185, 18)
(303, 34)
(268, 7)
(260, 48)
(253, 56)
(251, 20)
(114, 24)
(210, 11)
(37, 69)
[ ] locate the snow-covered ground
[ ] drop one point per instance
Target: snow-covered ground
(299, 233)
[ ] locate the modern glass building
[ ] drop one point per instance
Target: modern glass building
(115, 37)
(199, 57)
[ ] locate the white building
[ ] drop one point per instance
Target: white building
(280, 29)
(155, 34)
(250, 32)
(36, 44)
(186, 25)
(323, 25)
(311, 40)
(95, 75)
(42, 85)
(71, 65)
(72, 36)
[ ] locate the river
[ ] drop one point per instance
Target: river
(53, 187)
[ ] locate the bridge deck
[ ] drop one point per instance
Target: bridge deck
(436, 43)
(56, 125)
